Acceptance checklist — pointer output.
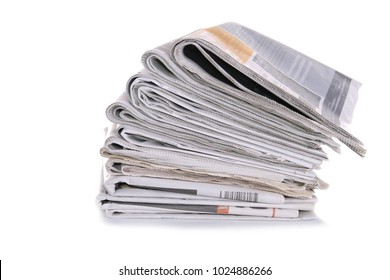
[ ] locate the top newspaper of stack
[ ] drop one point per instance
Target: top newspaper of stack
(230, 56)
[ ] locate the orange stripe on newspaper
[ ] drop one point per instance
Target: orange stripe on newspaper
(222, 209)
(231, 42)
(273, 212)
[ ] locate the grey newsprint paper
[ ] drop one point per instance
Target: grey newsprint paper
(224, 123)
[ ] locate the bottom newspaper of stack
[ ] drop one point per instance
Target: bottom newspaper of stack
(142, 197)
(224, 123)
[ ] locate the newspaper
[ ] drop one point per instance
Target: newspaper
(138, 197)
(224, 122)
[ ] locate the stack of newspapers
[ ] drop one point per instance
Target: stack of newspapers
(224, 123)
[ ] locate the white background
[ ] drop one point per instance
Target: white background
(62, 63)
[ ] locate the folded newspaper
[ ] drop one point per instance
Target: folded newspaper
(224, 123)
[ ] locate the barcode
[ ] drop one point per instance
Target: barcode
(243, 196)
